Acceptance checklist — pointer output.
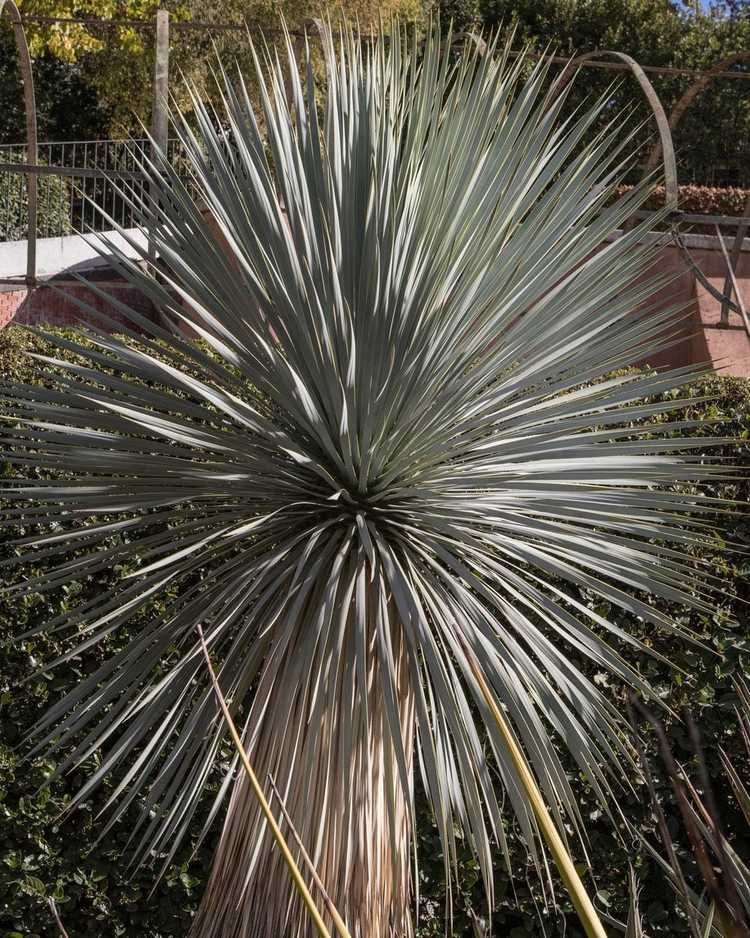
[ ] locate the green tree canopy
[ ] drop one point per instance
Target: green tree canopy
(98, 61)
(713, 138)
(82, 69)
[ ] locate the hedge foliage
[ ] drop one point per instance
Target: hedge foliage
(702, 200)
(42, 855)
(53, 205)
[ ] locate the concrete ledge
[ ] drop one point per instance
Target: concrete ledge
(75, 253)
(69, 254)
(699, 241)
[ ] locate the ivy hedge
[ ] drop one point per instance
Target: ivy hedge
(701, 200)
(53, 206)
(44, 855)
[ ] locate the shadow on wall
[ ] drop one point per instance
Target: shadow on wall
(52, 300)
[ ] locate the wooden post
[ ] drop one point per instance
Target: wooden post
(160, 107)
(159, 113)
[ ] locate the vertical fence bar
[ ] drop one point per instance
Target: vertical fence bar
(159, 118)
(31, 141)
(159, 113)
(734, 260)
(32, 155)
(5, 229)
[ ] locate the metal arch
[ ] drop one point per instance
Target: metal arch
(29, 99)
(479, 43)
(665, 133)
(675, 117)
(689, 96)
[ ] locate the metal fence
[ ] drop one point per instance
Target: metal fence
(71, 203)
(70, 186)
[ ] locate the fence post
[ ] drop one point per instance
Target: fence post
(160, 112)
(32, 152)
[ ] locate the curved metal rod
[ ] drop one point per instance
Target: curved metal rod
(664, 146)
(29, 100)
(689, 96)
(665, 133)
(480, 44)
(700, 276)
(734, 259)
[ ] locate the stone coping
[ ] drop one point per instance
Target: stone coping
(699, 241)
(76, 253)
(71, 254)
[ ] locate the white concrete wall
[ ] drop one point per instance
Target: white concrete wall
(76, 252)
(69, 253)
(698, 241)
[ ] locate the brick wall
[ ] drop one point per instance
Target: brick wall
(707, 340)
(44, 305)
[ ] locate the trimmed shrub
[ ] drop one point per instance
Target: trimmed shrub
(703, 200)
(53, 205)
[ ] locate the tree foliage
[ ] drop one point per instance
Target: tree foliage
(96, 62)
(93, 64)
(713, 138)
(67, 106)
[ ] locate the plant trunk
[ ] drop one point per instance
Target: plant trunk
(343, 794)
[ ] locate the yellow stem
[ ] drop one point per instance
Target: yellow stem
(575, 888)
(265, 808)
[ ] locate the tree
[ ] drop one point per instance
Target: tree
(101, 60)
(400, 433)
(68, 107)
(713, 138)
(661, 33)
(462, 14)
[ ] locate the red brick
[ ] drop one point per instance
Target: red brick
(44, 306)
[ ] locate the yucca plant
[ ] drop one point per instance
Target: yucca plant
(394, 452)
